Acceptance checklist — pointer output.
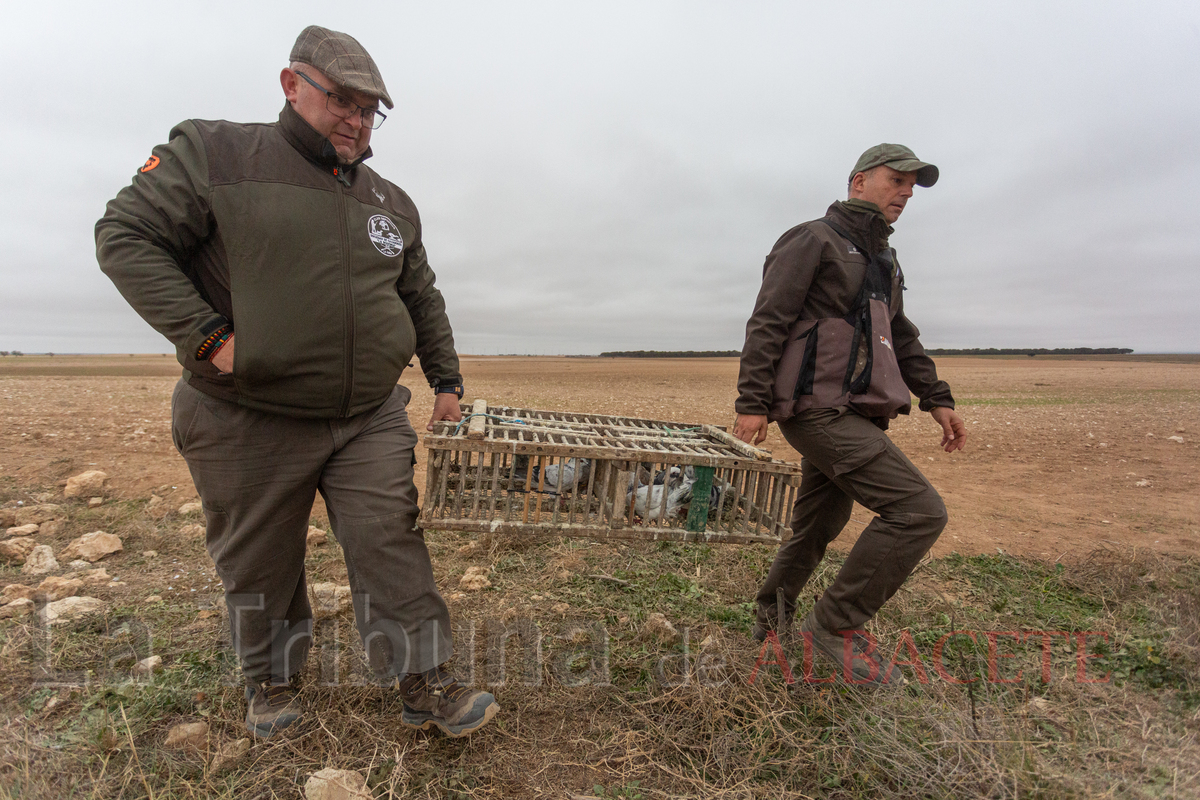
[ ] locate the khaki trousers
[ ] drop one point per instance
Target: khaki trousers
(847, 459)
(258, 474)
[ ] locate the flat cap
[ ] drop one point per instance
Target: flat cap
(342, 58)
(899, 158)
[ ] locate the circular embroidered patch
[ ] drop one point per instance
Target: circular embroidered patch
(385, 235)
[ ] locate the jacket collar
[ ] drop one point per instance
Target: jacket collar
(312, 145)
(863, 221)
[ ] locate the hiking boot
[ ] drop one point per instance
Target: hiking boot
(860, 663)
(271, 707)
(436, 698)
(766, 620)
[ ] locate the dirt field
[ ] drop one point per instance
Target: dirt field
(1063, 455)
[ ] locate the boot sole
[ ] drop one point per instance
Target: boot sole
(421, 722)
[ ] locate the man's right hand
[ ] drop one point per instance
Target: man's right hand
(223, 358)
(751, 428)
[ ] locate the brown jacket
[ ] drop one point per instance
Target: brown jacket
(319, 267)
(813, 273)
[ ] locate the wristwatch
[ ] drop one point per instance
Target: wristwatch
(455, 389)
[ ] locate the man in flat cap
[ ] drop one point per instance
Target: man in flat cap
(293, 282)
(831, 357)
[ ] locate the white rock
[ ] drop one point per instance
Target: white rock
(193, 507)
(20, 607)
(95, 502)
(330, 599)
(55, 588)
(191, 735)
(474, 579)
(78, 564)
(40, 561)
(148, 666)
(70, 608)
(150, 554)
(22, 530)
(93, 546)
(38, 514)
(1142, 484)
(336, 784)
(659, 627)
(228, 753)
(15, 551)
(1178, 439)
(315, 537)
(86, 484)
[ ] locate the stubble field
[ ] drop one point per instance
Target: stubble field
(1076, 505)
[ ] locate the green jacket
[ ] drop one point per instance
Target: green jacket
(318, 267)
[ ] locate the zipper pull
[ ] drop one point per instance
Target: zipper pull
(340, 174)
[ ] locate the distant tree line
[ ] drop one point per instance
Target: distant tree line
(1029, 351)
(11, 353)
(671, 354)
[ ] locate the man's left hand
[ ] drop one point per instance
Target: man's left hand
(954, 432)
(445, 406)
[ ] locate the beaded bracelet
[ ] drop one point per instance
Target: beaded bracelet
(213, 343)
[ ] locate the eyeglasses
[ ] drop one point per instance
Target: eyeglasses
(341, 107)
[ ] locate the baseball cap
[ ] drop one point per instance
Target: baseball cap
(342, 58)
(898, 157)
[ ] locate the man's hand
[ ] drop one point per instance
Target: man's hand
(223, 358)
(954, 432)
(751, 427)
(445, 406)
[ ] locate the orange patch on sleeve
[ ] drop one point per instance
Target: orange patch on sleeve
(150, 164)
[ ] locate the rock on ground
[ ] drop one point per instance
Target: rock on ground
(8, 517)
(54, 588)
(336, 784)
(15, 551)
(49, 527)
(330, 599)
(86, 484)
(71, 608)
(40, 561)
(192, 507)
(192, 530)
(95, 502)
(658, 626)
(20, 607)
(94, 577)
(190, 735)
(22, 530)
(475, 579)
(316, 536)
(16, 591)
(93, 546)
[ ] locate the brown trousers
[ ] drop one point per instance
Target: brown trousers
(847, 459)
(258, 474)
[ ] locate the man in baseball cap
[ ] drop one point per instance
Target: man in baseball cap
(293, 281)
(831, 357)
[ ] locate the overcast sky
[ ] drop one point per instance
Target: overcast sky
(600, 176)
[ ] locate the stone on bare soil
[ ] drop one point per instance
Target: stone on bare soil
(315, 536)
(336, 784)
(86, 484)
(8, 517)
(475, 579)
(22, 530)
(15, 551)
(71, 608)
(659, 627)
(154, 598)
(1176, 439)
(55, 588)
(192, 507)
(94, 577)
(191, 736)
(40, 561)
(148, 666)
(20, 607)
(93, 546)
(155, 501)
(228, 753)
(49, 527)
(36, 515)
(16, 591)
(78, 564)
(329, 599)
(95, 502)
(192, 530)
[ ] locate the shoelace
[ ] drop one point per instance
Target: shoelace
(438, 681)
(277, 693)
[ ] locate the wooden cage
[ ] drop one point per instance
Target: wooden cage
(523, 471)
